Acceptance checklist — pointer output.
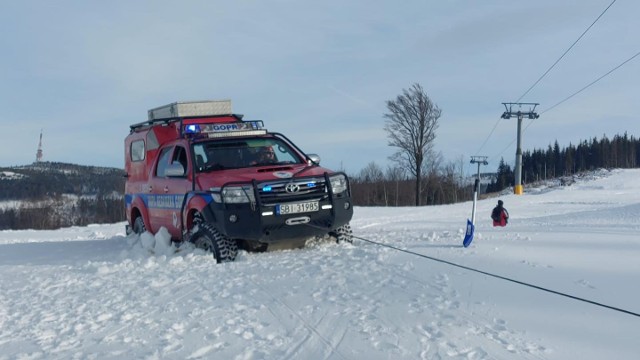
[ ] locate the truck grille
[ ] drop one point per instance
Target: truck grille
(292, 190)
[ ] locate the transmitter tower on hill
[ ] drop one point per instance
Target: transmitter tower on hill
(39, 153)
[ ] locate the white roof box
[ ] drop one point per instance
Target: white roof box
(191, 109)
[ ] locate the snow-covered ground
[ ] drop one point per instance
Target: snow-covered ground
(92, 293)
(10, 175)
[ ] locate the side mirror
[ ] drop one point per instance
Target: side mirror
(174, 170)
(315, 159)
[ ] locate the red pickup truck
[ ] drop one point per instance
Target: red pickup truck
(223, 183)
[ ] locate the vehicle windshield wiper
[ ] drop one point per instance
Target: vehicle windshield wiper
(213, 167)
(271, 163)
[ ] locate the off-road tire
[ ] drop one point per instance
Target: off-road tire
(208, 238)
(138, 226)
(343, 234)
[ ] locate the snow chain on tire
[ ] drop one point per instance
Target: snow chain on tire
(343, 233)
(209, 238)
(138, 226)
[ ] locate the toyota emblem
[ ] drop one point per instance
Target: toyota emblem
(292, 188)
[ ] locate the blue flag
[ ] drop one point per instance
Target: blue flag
(468, 237)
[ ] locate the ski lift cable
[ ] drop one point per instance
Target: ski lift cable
(488, 136)
(504, 150)
(501, 277)
(545, 74)
(591, 83)
(568, 98)
(565, 53)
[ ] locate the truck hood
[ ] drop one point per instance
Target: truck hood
(216, 179)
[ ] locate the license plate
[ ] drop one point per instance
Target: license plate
(295, 208)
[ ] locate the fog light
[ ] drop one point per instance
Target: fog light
(347, 205)
(233, 218)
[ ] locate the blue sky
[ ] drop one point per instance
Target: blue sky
(319, 72)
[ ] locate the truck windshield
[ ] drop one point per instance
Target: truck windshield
(240, 153)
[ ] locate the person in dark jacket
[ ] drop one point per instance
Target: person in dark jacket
(500, 215)
(266, 156)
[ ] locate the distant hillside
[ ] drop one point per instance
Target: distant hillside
(50, 195)
(33, 182)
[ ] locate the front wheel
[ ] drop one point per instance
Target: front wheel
(343, 233)
(209, 239)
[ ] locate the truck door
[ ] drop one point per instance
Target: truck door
(170, 184)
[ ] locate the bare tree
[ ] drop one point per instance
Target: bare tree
(372, 179)
(411, 126)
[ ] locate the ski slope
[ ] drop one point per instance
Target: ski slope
(93, 293)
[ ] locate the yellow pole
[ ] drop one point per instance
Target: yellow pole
(518, 189)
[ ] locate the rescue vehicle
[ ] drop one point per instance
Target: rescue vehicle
(222, 183)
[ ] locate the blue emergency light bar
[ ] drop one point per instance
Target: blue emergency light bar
(216, 130)
(192, 129)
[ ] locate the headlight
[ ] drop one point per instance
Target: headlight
(238, 194)
(338, 183)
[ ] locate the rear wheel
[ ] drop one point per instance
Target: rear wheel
(138, 226)
(208, 238)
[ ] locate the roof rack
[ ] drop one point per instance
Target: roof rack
(191, 109)
(187, 109)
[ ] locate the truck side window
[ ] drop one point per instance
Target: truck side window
(163, 161)
(180, 156)
(137, 150)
